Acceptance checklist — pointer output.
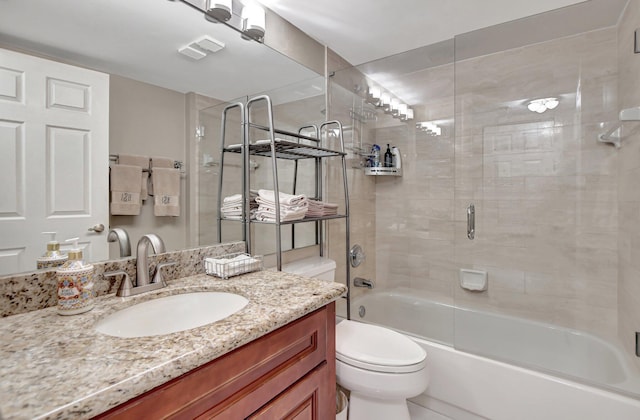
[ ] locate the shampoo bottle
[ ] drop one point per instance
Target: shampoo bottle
(75, 283)
(388, 158)
(397, 159)
(53, 257)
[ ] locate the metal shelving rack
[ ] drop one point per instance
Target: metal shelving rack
(276, 149)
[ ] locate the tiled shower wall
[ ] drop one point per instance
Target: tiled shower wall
(628, 190)
(544, 188)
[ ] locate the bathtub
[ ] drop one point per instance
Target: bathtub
(466, 385)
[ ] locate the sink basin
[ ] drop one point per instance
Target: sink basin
(171, 314)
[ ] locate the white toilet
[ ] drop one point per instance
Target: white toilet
(380, 367)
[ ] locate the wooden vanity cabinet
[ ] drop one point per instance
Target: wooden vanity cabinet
(286, 374)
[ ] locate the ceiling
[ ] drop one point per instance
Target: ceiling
(139, 39)
(365, 30)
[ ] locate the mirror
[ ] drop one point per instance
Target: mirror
(150, 84)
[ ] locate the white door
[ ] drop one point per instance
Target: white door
(54, 165)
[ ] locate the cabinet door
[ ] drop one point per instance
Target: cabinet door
(308, 399)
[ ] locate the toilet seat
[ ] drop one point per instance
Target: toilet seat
(377, 349)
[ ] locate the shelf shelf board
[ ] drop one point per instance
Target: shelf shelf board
(382, 171)
(293, 222)
(286, 149)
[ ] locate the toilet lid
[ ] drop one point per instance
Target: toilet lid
(376, 348)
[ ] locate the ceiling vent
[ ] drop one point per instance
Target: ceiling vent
(200, 48)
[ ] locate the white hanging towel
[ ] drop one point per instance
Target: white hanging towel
(143, 163)
(157, 162)
(166, 191)
(125, 190)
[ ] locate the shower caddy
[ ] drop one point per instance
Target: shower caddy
(276, 148)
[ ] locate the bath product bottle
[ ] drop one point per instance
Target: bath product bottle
(75, 283)
(375, 153)
(397, 159)
(388, 158)
(53, 257)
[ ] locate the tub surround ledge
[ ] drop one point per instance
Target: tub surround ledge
(59, 367)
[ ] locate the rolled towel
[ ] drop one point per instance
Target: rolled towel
(143, 163)
(126, 183)
(166, 185)
(284, 198)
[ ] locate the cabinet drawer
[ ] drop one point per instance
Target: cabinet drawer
(260, 369)
(309, 398)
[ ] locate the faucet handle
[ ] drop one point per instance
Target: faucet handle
(126, 286)
(157, 278)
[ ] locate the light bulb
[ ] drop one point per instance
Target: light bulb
(253, 17)
(394, 107)
(552, 103)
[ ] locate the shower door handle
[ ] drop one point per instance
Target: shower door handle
(471, 221)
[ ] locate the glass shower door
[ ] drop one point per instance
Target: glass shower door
(544, 191)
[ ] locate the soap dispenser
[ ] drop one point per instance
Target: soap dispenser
(75, 283)
(53, 257)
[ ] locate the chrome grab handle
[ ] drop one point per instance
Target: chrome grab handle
(471, 222)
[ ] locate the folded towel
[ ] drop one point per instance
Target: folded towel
(142, 162)
(158, 162)
(284, 198)
(269, 215)
(320, 208)
(126, 183)
(166, 186)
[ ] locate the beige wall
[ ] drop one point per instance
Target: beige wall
(628, 190)
(148, 120)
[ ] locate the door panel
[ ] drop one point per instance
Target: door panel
(54, 146)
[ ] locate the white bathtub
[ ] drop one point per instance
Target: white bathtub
(468, 386)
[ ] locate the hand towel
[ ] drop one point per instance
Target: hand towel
(125, 187)
(158, 162)
(143, 163)
(166, 186)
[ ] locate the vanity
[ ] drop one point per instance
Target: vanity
(273, 358)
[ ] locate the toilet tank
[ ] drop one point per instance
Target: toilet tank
(320, 268)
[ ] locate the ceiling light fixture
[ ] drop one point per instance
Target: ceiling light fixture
(429, 128)
(220, 9)
(253, 21)
(541, 105)
(389, 104)
(250, 22)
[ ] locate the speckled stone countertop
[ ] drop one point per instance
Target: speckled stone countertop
(59, 367)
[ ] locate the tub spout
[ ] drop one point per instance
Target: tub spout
(360, 282)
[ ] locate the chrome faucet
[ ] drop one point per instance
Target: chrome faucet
(122, 237)
(142, 269)
(142, 264)
(360, 282)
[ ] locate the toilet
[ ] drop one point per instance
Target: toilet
(380, 367)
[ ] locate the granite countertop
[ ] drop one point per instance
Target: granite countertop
(59, 367)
